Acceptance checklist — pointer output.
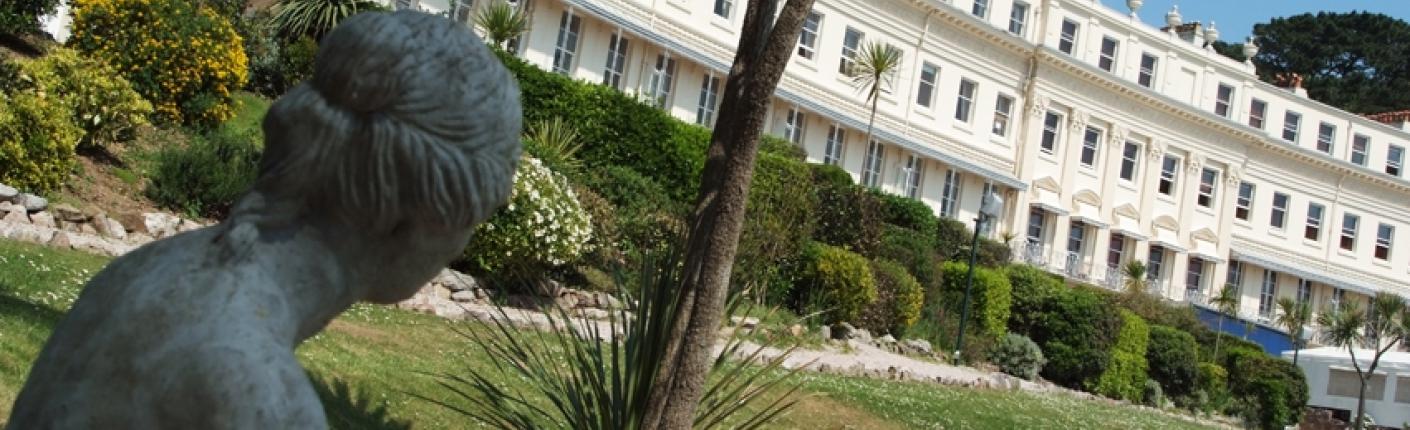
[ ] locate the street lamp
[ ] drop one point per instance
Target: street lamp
(989, 208)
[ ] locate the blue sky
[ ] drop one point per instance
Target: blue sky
(1235, 18)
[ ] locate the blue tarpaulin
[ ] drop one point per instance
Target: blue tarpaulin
(1273, 341)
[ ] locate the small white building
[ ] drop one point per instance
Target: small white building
(1333, 384)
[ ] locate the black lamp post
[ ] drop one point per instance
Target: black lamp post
(989, 208)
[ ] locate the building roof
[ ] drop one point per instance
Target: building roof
(1392, 117)
(1394, 360)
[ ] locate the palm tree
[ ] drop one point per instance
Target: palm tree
(314, 18)
(1227, 302)
(1293, 315)
(502, 22)
(1349, 327)
(1135, 274)
(873, 71)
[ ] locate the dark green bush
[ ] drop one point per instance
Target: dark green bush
(1125, 377)
(913, 251)
(1076, 332)
(906, 212)
(1213, 382)
(1152, 395)
(899, 299)
(770, 144)
(953, 238)
(646, 217)
(848, 215)
(989, 300)
(22, 16)
(204, 176)
(827, 175)
(836, 281)
(1172, 359)
(1032, 289)
(1274, 390)
(1018, 355)
(778, 222)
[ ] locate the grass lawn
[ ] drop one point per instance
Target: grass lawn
(368, 360)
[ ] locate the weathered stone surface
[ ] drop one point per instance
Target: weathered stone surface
(462, 296)
(31, 202)
(591, 313)
(135, 222)
(8, 193)
(456, 281)
(87, 228)
(916, 346)
(43, 219)
(887, 339)
(608, 301)
(6, 207)
(67, 213)
(744, 322)
(566, 301)
(109, 227)
(160, 225)
(17, 217)
(60, 240)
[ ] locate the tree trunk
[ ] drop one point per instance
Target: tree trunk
(1219, 336)
(759, 61)
(1361, 407)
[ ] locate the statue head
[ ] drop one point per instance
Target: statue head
(407, 136)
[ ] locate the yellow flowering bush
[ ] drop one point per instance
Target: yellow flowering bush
(103, 104)
(37, 140)
(184, 58)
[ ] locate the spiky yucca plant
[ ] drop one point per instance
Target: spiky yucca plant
(314, 18)
(502, 22)
(556, 143)
(1135, 274)
(873, 71)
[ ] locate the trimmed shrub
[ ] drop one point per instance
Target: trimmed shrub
(104, 105)
(1213, 381)
(606, 234)
(906, 212)
(1274, 391)
(953, 238)
(912, 251)
(899, 299)
(1018, 355)
(1125, 378)
(778, 221)
(206, 174)
(22, 16)
(183, 57)
(543, 226)
(37, 141)
(1171, 356)
(1031, 290)
(1151, 394)
(1076, 332)
(989, 300)
(848, 215)
(770, 144)
(836, 281)
(647, 218)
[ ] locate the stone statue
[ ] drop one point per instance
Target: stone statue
(374, 175)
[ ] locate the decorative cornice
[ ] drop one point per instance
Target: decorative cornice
(1233, 176)
(1117, 135)
(1194, 163)
(1156, 150)
(1078, 122)
(1039, 106)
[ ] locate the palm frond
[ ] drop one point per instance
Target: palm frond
(501, 22)
(555, 142)
(298, 18)
(874, 68)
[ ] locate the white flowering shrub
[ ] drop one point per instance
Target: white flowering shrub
(543, 226)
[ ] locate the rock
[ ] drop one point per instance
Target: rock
(481, 294)
(797, 330)
(87, 228)
(135, 222)
(60, 240)
(608, 301)
(109, 227)
(463, 296)
(17, 217)
(591, 313)
(887, 339)
(7, 207)
(8, 193)
(842, 331)
(862, 335)
(916, 346)
(825, 332)
(139, 238)
(31, 202)
(68, 213)
(566, 301)
(744, 322)
(43, 219)
(161, 225)
(456, 281)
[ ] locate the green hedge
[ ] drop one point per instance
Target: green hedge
(778, 223)
(953, 238)
(836, 281)
(1076, 332)
(848, 215)
(1032, 289)
(898, 303)
(906, 212)
(1273, 390)
(1126, 378)
(989, 300)
(1172, 359)
(913, 251)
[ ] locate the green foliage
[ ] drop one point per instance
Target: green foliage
(1171, 356)
(1125, 378)
(1213, 381)
(906, 212)
(22, 16)
(952, 241)
(181, 56)
(898, 302)
(849, 216)
(1076, 332)
(1343, 57)
(770, 144)
(315, 18)
(1032, 289)
(990, 298)
(556, 144)
(1273, 390)
(37, 140)
(1018, 355)
(646, 218)
(836, 281)
(912, 250)
(1151, 394)
(104, 105)
(778, 222)
(206, 174)
(616, 129)
(543, 226)
(502, 22)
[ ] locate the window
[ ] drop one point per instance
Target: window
(1091, 140)
(1068, 37)
(1155, 263)
(1326, 135)
(1194, 275)
(662, 78)
(1304, 290)
(1338, 297)
(1245, 202)
(1076, 238)
(616, 61)
(1256, 110)
(1222, 97)
(1035, 226)
(1003, 108)
(915, 168)
(1051, 122)
(723, 8)
(1235, 276)
(1384, 235)
(1108, 58)
(871, 166)
(1314, 222)
(1169, 168)
(1265, 295)
(1349, 224)
(709, 98)
(1291, 121)
(1207, 178)
(461, 11)
(987, 230)
(980, 9)
(808, 38)
(950, 195)
(851, 42)
(1116, 250)
(1395, 156)
(965, 100)
(926, 93)
(1130, 158)
(836, 142)
(1359, 144)
(793, 126)
(567, 47)
(1018, 18)
(1279, 215)
(1147, 75)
